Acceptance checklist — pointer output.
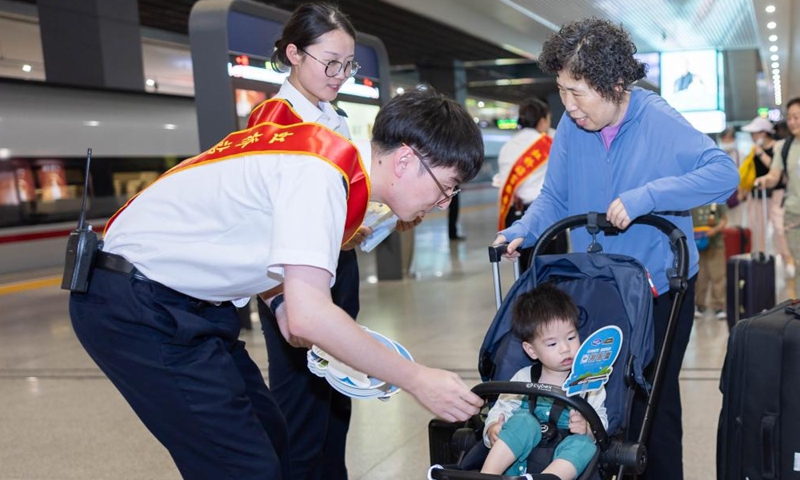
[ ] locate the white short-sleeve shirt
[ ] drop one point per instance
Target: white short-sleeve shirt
(323, 113)
(223, 231)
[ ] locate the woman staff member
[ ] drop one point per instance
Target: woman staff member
(318, 45)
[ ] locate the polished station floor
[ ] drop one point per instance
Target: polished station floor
(61, 419)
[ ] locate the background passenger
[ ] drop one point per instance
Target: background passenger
(711, 279)
(526, 154)
(763, 151)
(789, 168)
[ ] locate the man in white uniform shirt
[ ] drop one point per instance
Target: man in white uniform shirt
(244, 218)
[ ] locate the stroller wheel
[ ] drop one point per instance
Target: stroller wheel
(628, 454)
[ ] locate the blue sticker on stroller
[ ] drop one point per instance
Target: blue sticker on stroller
(592, 365)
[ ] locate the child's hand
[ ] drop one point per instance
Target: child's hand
(578, 424)
(494, 429)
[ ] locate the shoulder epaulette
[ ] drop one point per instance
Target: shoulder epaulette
(340, 112)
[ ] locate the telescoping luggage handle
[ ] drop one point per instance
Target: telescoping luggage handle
(766, 252)
(495, 255)
(762, 256)
(595, 223)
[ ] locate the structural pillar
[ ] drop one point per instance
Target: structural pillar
(448, 78)
(94, 43)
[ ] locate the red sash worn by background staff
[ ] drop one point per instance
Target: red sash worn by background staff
(531, 159)
(275, 128)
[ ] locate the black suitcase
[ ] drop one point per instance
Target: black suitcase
(750, 285)
(750, 280)
(759, 426)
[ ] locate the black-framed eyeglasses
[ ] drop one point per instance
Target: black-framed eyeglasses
(334, 67)
(447, 196)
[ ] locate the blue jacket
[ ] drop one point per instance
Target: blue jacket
(657, 163)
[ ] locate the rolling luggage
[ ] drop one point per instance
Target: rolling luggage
(737, 240)
(757, 436)
(750, 285)
(750, 282)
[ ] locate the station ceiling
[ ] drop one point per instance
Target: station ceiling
(411, 39)
(427, 31)
(477, 31)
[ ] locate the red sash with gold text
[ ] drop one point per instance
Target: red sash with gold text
(531, 159)
(275, 128)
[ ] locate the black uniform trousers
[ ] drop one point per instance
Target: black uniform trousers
(180, 365)
(452, 217)
(665, 445)
(318, 417)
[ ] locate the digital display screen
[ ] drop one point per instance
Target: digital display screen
(242, 40)
(652, 60)
(252, 35)
(690, 80)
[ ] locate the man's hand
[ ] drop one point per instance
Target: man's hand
(494, 429)
(618, 215)
(444, 394)
(511, 252)
(313, 316)
(362, 233)
(403, 226)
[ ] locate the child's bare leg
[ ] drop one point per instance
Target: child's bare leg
(499, 459)
(516, 439)
(571, 457)
(561, 468)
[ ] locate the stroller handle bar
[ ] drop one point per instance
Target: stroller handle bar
(597, 222)
(491, 388)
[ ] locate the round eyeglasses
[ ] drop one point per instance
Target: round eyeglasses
(334, 67)
(446, 196)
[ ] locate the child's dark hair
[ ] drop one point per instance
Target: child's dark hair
(307, 23)
(536, 309)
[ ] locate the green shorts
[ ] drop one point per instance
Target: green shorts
(522, 432)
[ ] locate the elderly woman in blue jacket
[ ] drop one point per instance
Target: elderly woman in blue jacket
(623, 150)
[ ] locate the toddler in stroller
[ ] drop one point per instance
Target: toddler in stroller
(546, 320)
(608, 289)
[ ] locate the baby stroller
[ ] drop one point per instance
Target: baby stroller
(609, 289)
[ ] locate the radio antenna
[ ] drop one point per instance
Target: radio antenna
(82, 218)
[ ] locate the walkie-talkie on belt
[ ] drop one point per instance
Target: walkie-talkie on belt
(81, 246)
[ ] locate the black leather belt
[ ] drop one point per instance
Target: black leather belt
(113, 262)
(117, 263)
